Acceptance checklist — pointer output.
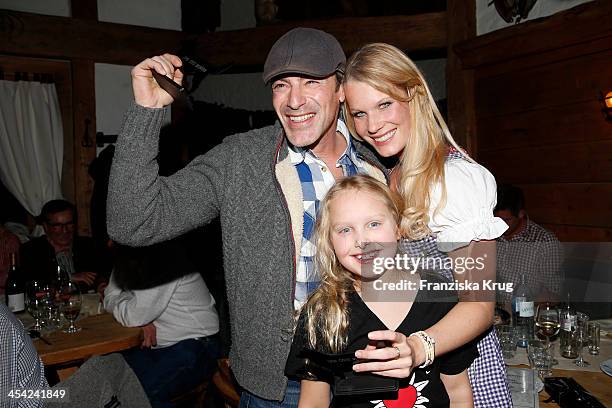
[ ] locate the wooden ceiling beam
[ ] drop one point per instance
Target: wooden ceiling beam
(85, 9)
(423, 32)
(75, 38)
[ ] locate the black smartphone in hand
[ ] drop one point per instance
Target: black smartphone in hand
(334, 362)
(175, 90)
(346, 381)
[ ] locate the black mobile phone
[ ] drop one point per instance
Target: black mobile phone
(334, 362)
(194, 64)
(175, 90)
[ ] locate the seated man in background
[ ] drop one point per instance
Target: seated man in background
(9, 244)
(20, 365)
(61, 246)
(526, 249)
(179, 319)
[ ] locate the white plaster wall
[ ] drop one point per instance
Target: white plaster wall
(241, 91)
(48, 7)
(237, 14)
(149, 13)
(113, 97)
(487, 18)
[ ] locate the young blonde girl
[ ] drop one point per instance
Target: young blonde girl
(357, 224)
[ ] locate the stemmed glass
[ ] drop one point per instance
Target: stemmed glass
(70, 304)
(548, 324)
(582, 338)
(35, 300)
(52, 307)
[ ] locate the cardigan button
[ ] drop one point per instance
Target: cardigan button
(286, 335)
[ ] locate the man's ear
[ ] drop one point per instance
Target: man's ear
(522, 214)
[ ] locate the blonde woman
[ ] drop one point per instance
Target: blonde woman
(448, 202)
(358, 223)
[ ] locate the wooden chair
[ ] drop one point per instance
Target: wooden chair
(193, 398)
(226, 385)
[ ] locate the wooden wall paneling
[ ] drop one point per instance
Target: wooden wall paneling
(556, 163)
(572, 233)
(579, 79)
(85, 9)
(84, 137)
(64, 37)
(522, 62)
(574, 122)
(539, 119)
(578, 204)
(62, 78)
(461, 26)
(580, 25)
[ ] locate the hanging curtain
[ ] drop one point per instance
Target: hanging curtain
(31, 142)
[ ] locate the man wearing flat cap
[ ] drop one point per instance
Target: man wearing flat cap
(264, 184)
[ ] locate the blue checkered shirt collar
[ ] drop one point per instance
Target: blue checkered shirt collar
(350, 156)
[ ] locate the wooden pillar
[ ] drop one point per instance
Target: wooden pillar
(84, 102)
(460, 26)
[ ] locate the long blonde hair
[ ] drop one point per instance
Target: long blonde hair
(326, 311)
(388, 70)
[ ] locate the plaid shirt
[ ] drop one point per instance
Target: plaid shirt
(534, 252)
(20, 366)
(316, 180)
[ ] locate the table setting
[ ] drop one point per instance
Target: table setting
(560, 349)
(67, 326)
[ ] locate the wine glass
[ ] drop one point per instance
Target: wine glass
(548, 324)
(52, 306)
(70, 304)
(582, 338)
(35, 300)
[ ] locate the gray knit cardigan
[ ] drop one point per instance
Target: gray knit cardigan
(250, 183)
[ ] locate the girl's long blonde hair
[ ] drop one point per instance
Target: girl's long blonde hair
(388, 70)
(326, 312)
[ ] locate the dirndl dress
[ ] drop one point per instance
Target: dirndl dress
(488, 372)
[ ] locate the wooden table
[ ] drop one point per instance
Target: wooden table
(100, 334)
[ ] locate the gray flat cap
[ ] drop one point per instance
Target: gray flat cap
(304, 51)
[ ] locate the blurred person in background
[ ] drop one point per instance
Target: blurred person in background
(526, 248)
(156, 288)
(60, 246)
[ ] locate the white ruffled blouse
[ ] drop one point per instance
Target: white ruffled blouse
(471, 195)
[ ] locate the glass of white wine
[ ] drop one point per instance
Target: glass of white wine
(70, 304)
(547, 323)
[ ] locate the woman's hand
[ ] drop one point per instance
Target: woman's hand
(147, 92)
(397, 359)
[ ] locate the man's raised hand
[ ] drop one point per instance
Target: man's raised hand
(147, 92)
